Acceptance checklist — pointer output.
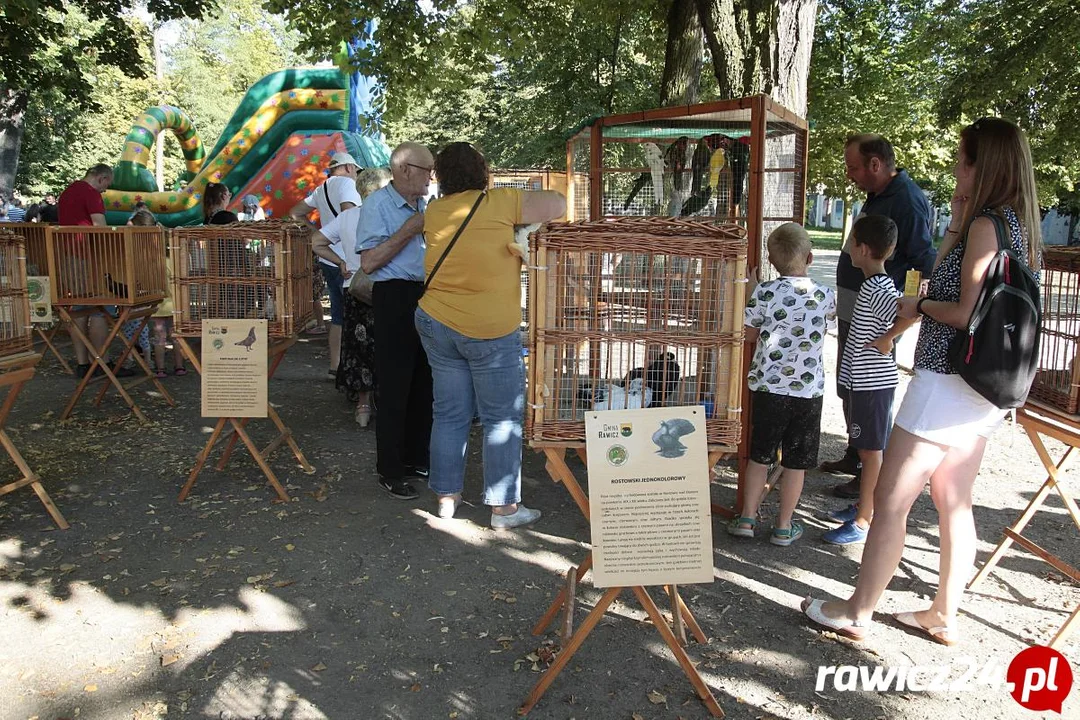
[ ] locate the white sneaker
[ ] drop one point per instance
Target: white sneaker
(519, 518)
(448, 505)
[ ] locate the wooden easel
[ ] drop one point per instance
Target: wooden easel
(16, 371)
(127, 313)
(673, 634)
(47, 337)
(276, 355)
(1038, 421)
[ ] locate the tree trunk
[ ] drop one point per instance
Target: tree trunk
(683, 59)
(12, 108)
(760, 46)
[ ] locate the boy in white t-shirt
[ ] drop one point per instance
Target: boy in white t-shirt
(868, 371)
(788, 318)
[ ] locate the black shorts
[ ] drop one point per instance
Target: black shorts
(869, 418)
(792, 424)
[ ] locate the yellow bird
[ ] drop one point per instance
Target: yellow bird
(716, 164)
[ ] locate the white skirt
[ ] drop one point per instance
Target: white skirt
(945, 410)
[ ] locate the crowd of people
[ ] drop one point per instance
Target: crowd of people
(13, 210)
(424, 317)
(940, 431)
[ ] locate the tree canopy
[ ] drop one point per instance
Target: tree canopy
(517, 76)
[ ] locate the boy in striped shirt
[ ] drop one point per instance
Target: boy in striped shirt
(868, 370)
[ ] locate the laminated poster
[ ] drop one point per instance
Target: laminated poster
(234, 364)
(40, 299)
(649, 496)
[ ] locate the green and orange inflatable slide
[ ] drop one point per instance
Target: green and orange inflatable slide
(276, 146)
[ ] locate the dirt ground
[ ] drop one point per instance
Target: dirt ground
(346, 603)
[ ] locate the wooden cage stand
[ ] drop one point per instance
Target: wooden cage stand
(47, 336)
(140, 313)
(276, 355)
(673, 633)
(1038, 421)
(16, 371)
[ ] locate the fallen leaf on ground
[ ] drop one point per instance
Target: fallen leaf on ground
(657, 698)
(318, 668)
(415, 687)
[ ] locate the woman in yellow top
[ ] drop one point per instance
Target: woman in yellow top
(469, 321)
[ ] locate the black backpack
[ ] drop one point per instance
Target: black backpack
(999, 353)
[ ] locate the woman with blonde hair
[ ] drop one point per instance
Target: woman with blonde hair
(942, 426)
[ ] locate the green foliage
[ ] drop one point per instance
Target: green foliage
(872, 71)
(213, 62)
(38, 48)
(66, 133)
(208, 69)
(1019, 59)
(545, 71)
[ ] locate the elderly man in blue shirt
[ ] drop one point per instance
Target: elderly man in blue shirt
(391, 245)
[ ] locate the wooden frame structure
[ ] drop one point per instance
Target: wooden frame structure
(17, 358)
(239, 429)
(673, 633)
(1039, 421)
(244, 270)
(1057, 382)
(605, 157)
(677, 301)
(92, 269)
(37, 263)
(15, 372)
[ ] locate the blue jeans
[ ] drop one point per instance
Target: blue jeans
(336, 290)
(473, 375)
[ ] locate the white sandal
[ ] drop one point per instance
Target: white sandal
(853, 631)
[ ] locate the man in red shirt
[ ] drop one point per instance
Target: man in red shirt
(81, 204)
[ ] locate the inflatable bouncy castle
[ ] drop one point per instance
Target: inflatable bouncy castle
(276, 147)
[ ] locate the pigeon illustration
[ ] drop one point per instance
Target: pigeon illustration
(667, 437)
(247, 342)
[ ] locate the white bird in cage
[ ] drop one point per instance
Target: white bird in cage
(655, 157)
(520, 244)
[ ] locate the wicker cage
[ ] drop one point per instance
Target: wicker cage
(106, 266)
(653, 300)
(15, 328)
(37, 253)
(244, 270)
(1057, 382)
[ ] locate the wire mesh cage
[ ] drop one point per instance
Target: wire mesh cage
(541, 179)
(106, 266)
(37, 254)
(1057, 381)
(737, 161)
(15, 329)
(242, 271)
(635, 312)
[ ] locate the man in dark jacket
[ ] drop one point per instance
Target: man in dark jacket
(871, 165)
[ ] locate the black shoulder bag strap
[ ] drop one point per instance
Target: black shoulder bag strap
(450, 245)
(326, 193)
